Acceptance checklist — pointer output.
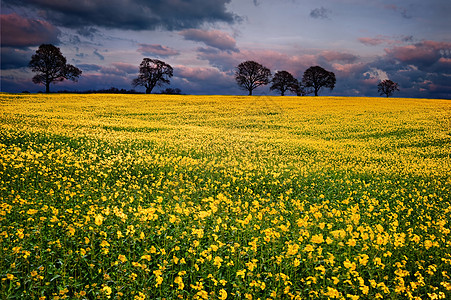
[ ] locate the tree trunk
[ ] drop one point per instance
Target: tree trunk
(47, 87)
(148, 90)
(316, 92)
(282, 93)
(250, 92)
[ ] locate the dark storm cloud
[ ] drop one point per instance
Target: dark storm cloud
(18, 31)
(320, 13)
(89, 32)
(131, 14)
(14, 58)
(13, 84)
(158, 50)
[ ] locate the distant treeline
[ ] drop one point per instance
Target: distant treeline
(113, 90)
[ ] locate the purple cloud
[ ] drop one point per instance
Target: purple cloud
(213, 38)
(126, 68)
(18, 31)
(154, 49)
(423, 54)
(331, 56)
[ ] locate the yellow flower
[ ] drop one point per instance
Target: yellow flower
(321, 269)
(349, 265)
(71, 230)
(363, 259)
(292, 249)
(217, 261)
(179, 281)
(107, 291)
(241, 273)
(317, 239)
(98, 219)
(104, 243)
(332, 293)
(222, 294)
(140, 296)
(146, 257)
(428, 244)
(158, 280)
(351, 242)
(122, 258)
(251, 265)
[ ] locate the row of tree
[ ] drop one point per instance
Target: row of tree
(51, 66)
(250, 75)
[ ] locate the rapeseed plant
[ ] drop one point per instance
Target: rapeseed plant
(223, 197)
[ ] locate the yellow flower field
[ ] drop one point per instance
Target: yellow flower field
(224, 197)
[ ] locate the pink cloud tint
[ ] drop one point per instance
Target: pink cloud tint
(348, 69)
(18, 31)
(154, 49)
(338, 56)
(423, 53)
(198, 73)
(372, 41)
(213, 38)
(127, 68)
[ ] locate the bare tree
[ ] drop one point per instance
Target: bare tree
(153, 72)
(283, 81)
(250, 75)
(317, 78)
(387, 87)
(50, 66)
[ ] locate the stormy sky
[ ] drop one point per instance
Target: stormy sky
(362, 42)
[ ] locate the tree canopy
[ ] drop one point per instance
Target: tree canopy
(250, 75)
(50, 66)
(283, 81)
(317, 78)
(387, 87)
(153, 72)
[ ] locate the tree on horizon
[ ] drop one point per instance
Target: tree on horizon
(153, 72)
(387, 87)
(283, 81)
(250, 75)
(50, 66)
(317, 78)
